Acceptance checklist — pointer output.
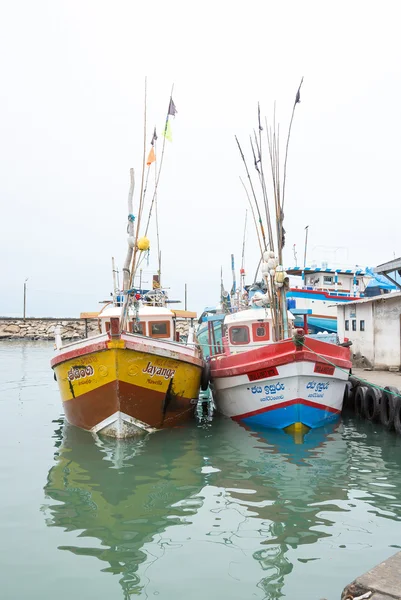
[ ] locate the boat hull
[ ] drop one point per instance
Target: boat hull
(278, 386)
(127, 386)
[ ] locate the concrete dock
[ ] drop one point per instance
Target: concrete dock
(380, 583)
(381, 378)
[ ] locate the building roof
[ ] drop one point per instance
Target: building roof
(387, 267)
(382, 297)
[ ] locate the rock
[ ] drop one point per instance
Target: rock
(12, 329)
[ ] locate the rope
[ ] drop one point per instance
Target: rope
(373, 385)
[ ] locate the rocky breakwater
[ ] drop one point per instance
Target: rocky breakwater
(71, 329)
(43, 329)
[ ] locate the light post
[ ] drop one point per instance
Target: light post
(25, 297)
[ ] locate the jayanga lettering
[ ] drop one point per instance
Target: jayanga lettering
(152, 370)
(269, 389)
(80, 372)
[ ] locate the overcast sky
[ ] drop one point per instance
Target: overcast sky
(71, 110)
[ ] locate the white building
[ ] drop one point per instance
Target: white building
(374, 327)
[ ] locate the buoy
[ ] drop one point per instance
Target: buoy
(143, 244)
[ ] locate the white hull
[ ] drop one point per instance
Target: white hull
(296, 395)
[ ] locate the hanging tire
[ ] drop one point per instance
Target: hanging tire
(373, 401)
(397, 412)
(360, 404)
(388, 406)
(348, 396)
(205, 377)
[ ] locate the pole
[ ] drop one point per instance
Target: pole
(185, 296)
(306, 243)
(25, 298)
(113, 266)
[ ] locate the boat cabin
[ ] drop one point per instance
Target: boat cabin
(154, 321)
(245, 330)
(341, 281)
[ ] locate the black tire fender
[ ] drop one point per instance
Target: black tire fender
(205, 377)
(360, 404)
(373, 400)
(348, 396)
(388, 406)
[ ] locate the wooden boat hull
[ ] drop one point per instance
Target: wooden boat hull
(121, 387)
(279, 385)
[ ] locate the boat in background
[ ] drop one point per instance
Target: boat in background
(263, 372)
(136, 375)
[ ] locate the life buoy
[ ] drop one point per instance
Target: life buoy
(388, 406)
(373, 401)
(205, 377)
(360, 397)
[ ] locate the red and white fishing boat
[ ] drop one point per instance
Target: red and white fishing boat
(295, 381)
(261, 372)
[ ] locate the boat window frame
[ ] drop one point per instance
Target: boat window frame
(161, 335)
(261, 338)
(353, 324)
(361, 324)
(346, 324)
(142, 325)
(230, 332)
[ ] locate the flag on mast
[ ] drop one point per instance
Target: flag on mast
(154, 138)
(172, 109)
(151, 157)
(168, 134)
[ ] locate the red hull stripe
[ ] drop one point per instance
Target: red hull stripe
(277, 354)
(284, 405)
(79, 352)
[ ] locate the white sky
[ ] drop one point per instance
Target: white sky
(71, 114)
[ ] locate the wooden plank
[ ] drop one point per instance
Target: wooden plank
(88, 315)
(185, 314)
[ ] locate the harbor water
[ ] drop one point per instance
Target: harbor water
(213, 510)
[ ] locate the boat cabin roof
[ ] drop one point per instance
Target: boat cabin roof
(324, 269)
(252, 315)
(145, 312)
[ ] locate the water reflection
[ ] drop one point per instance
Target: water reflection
(122, 493)
(257, 493)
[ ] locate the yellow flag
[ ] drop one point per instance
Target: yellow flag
(168, 134)
(151, 157)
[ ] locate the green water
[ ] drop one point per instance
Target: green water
(210, 511)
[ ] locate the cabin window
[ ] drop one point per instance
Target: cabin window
(361, 325)
(260, 332)
(346, 325)
(159, 329)
(328, 279)
(107, 324)
(239, 335)
(354, 325)
(141, 328)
